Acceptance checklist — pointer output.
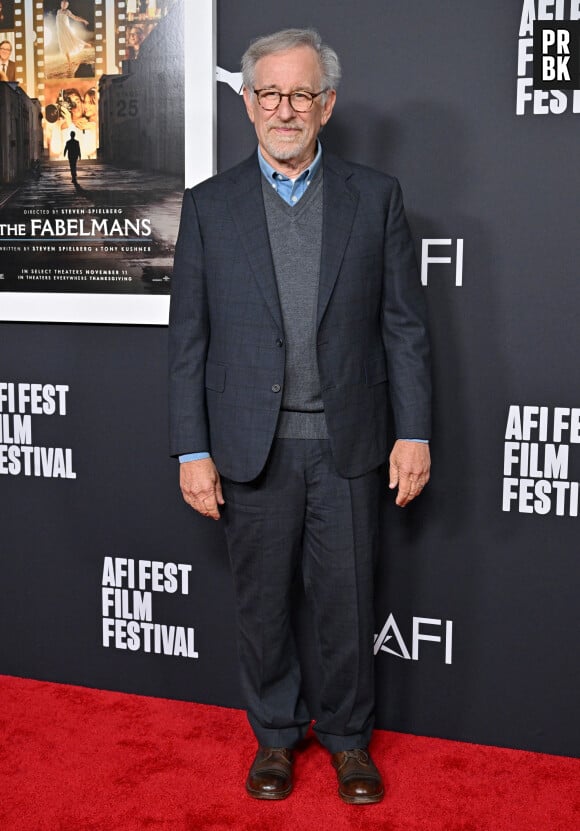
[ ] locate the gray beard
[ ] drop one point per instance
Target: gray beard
(282, 152)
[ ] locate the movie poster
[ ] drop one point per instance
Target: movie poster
(106, 114)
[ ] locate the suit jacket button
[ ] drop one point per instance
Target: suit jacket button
(276, 387)
(279, 342)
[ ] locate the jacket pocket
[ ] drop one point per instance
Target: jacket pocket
(215, 377)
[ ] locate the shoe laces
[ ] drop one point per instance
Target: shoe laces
(271, 751)
(359, 754)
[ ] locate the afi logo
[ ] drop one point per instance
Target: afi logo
(390, 639)
(428, 259)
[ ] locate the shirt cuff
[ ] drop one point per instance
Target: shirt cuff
(193, 457)
(419, 441)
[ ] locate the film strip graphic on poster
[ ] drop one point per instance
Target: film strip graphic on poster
(106, 113)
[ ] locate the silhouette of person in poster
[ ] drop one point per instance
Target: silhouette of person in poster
(72, 149)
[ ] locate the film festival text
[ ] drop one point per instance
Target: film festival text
(128, 586)
(537, 460)
(19, 403)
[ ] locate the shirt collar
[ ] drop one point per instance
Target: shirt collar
(271, 173)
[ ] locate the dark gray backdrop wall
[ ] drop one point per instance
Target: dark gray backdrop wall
(477, 611)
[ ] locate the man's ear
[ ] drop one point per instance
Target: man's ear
(328, 106)
(249, 103)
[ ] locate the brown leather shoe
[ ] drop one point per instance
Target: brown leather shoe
(270, 776)
(359, 782)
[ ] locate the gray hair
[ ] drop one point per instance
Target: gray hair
(290, 39)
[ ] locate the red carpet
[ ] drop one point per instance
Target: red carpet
(75, 759)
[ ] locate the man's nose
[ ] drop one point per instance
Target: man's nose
(285, 111)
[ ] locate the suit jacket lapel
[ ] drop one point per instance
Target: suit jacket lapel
(340, 202)
(247, 208)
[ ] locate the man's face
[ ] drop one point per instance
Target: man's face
(285, 135)
(135, 37)
(5, 51)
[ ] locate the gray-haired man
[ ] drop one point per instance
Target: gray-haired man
(295, 296)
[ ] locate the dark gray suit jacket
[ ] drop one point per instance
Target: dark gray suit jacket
(226, 338)
(11, 71)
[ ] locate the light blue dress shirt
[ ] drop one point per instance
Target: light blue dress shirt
(291, 190)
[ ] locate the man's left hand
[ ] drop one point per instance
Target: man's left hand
(409, 466)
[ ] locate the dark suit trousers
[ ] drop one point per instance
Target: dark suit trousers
(300, 516)
(72, 161)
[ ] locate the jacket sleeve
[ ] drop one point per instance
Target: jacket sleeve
(404, 327)
(188, 337)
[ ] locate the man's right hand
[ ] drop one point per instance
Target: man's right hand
(201, 487)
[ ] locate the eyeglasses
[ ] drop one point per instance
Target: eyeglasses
(300, 101)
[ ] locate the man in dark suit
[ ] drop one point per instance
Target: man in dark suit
(295, 302)
(72, 149)
(7, 66)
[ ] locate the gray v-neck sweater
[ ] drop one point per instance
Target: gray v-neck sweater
(296, 239)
